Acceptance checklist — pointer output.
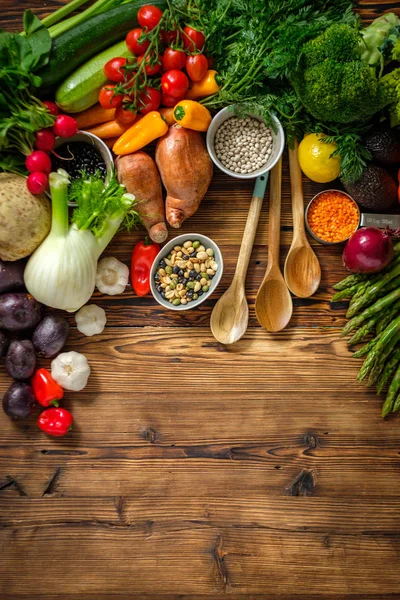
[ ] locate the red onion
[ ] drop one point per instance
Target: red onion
(369, 250)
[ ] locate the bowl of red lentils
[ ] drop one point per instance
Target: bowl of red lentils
(186, 271)
(332, 216)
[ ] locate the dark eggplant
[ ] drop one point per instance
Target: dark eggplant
(19, 312)
(12, 276)
(21, 359)
(3, 344)
(19, 401)
(50, 336)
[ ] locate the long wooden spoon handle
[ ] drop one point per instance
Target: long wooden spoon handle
(296, 187)
(251, 227)
(274, 214)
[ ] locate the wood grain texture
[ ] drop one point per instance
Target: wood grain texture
(195, 471)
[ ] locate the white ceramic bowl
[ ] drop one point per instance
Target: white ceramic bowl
(179, 241)
(278, 139)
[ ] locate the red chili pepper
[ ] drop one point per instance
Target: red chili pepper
(47, 391)
(143, 256)
(55, 421)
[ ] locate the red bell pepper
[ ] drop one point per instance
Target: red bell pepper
(47, 391)
(55, 421)
(143, 256)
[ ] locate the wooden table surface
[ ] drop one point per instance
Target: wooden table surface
(194, 470)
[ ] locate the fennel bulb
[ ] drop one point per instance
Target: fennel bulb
(61, 273)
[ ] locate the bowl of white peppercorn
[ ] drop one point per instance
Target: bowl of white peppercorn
(244, 147)
(186, 271)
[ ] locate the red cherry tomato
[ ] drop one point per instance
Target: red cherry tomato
(149, 99)
(51, 107)
(38, 161)
(169, 101)
(107, 98)
(132, 42)
(125, 115)
(192, 39)
(150, 69)
(174, 83)
(37, 183)
(65, 126)
(149, 16)
(196, 66)
(113, 70)
(45, 140)
(174, 59)
(169, 38)
(55, 421)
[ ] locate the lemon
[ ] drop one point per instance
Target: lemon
(315, 161)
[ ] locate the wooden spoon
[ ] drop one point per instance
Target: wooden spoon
(274, 304)
(230, 315)
(302, 269)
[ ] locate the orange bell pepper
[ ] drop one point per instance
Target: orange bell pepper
(151, 127)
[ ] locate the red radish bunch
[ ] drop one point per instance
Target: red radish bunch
(38, 163)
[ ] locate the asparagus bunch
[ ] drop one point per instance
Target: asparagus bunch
(374, 312)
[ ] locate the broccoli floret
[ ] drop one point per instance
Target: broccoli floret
(390, 83)
(332, 80)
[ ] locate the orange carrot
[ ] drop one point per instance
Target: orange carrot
(93, 116)
(168, 114)
(112, 129)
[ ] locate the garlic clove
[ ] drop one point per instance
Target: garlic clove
(112, 276)
(90, 319)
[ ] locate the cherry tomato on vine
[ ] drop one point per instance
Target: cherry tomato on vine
(125, 115)
(149, 16)
(113, 71)
(174, 83)
(169, 38)
(107, 98)
(196, 66)
(192, 39)
(149, 99)
(132, 42)
(170, 101)
(174, 59)
(150, 69)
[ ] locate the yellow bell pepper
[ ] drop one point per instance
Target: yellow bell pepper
(206, 87)
(151, 127)
(192, 115)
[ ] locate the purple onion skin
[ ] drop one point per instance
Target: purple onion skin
(369, 250)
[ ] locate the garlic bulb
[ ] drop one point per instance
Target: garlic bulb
(71, 370)
(112, 276)
(91, 319)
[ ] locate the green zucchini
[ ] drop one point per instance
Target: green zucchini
(77, 45)
(81, 89)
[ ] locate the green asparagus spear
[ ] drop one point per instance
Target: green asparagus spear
(367, 348)
(373, 291)
(390, 368)
(371, 311)
(390, 403)
(347, 293)
(362, 333)
(349, 281)
(396, 248)
(380, 364)
(385, 338)
(387, 316)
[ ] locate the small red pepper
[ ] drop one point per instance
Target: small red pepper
(143, 256)
(47, 391)
(55, 421)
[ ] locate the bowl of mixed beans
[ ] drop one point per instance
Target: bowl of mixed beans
(332, 216)
(186, 271)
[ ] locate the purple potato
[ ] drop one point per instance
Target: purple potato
(12, 276)
(3, 344)
(19, 401)
(21, 359)
(50, 336)
(19, 312)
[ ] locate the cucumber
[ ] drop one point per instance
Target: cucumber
(74, 47)
(81, 89)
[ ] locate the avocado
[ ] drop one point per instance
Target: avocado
(384, 145)
(376, 190)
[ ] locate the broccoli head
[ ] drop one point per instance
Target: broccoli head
(332, 80)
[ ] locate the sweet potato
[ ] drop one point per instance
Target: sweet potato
(139, 174)
(186, 171)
